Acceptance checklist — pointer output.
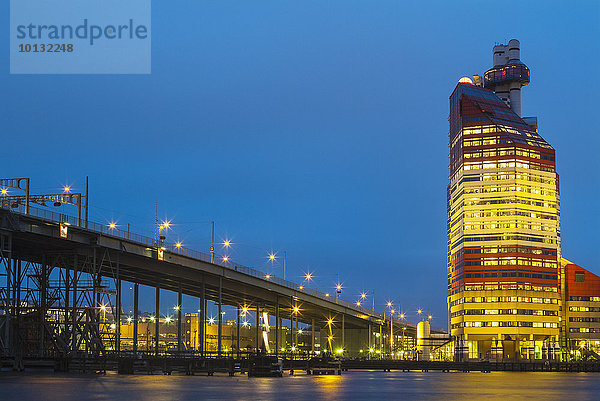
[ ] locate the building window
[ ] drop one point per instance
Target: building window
(579, 277)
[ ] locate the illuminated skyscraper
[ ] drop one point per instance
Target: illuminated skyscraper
(503, 220)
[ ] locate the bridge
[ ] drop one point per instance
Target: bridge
(61, 274)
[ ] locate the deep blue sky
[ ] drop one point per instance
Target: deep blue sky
(315, 127)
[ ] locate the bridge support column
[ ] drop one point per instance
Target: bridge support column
(179, 310)
(292, 326)
(219, 339)
(343, 332)
(380, 345)
(118, 322)
(312, 338)
(277, 328)
(238, 332)
(67, 302)
(370, 329)
(157, 321)
(257, 327)
(74, 310)
(136, 295)
(202, 319)
(43, 299)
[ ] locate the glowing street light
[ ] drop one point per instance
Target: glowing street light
(226, 243)
(4, 191)
(389, 304)
(338, 287)
(357, 303)
(272, 257)
(178, 244)
(168, 319)
(429, 317)
(165, 225)
(225, 258)
(67, 189)
(112, 226)
(103, 309)
(363, 295)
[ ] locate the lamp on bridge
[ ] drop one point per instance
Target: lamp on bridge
(164, 226)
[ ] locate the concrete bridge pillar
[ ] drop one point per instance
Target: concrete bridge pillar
(312, 338)
(277, 328)
(136, 296)
(156, 321)
(202, 318)
(118, 301)
(220, 328)
(179, 309)
(343, 332)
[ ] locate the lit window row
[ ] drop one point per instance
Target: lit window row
(494, 226)
(549, 325)
(503, 237)
(510, 249)
(527, 312)
(511, 188)
(511, 299)
(480, 130)
(505, 287)
(583, 309)
(513, 262)
(502, 152)
(503, 213)
(584, 319)
(502, 176)
(584, 330)
(506, 164)
(591, 299)
(523, 201)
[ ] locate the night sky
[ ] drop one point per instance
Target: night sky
(312, 127)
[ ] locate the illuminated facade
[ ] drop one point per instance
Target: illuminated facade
(503, 222)
(581, 312)
(510, 293)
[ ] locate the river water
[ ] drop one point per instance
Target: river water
(354, 385)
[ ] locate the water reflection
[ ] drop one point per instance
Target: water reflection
(351, 385)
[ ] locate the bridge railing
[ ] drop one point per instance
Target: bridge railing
(106, 229)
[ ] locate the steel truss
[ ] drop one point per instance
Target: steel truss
(56, 305)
